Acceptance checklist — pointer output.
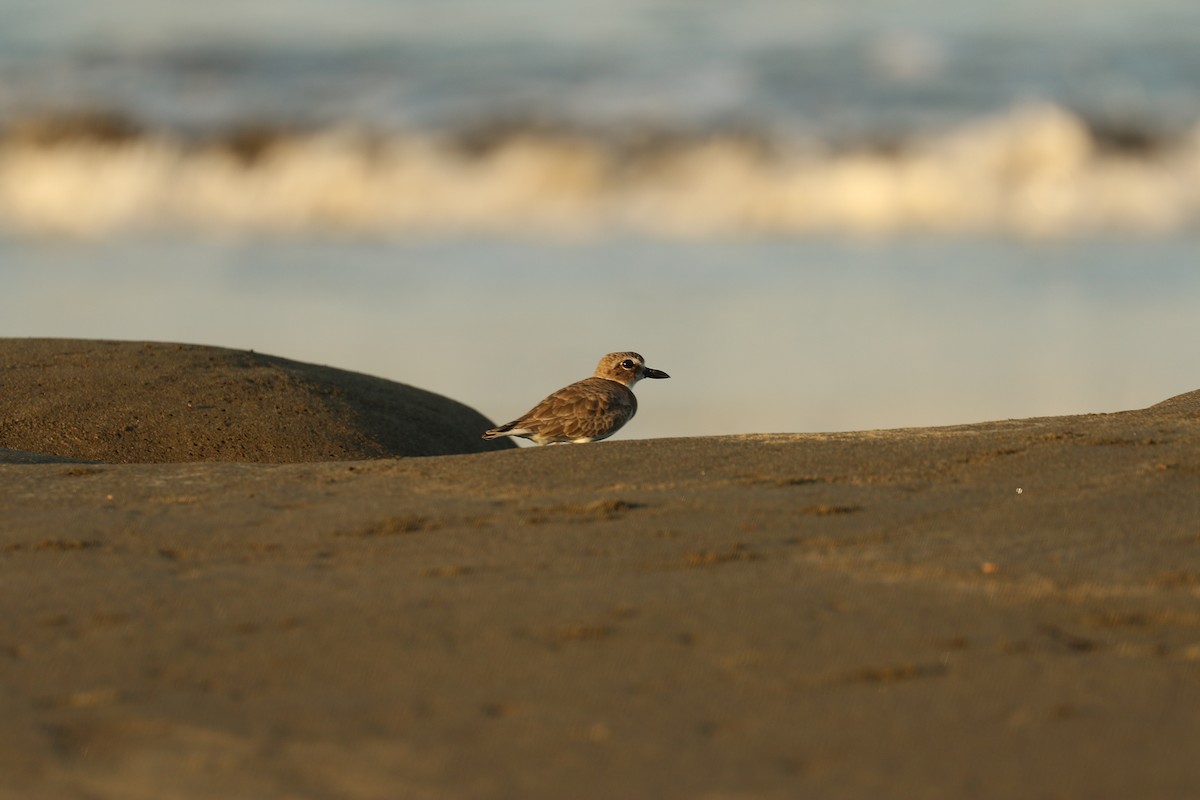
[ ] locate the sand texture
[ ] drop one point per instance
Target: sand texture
(149, 402)
(1001, 610)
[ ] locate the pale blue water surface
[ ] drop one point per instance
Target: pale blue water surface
(804, 332)
(758, 336)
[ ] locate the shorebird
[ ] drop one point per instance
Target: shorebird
(588, 410)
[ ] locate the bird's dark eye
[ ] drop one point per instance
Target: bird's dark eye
(627, 363)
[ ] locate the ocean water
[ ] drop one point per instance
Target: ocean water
(769, 335)
(818, 64)
(815, 216)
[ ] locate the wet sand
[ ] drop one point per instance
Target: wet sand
(1007, 609)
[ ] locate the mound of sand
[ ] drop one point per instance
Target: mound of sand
(146, 402)
(995, 610)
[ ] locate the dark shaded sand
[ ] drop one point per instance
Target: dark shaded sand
(861, 615)
(150, 402)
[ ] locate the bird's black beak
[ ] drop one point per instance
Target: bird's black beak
(654, 373)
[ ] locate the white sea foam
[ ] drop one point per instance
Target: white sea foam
(1036, 171)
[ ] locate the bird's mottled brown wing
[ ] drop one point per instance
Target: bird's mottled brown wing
(591, 408)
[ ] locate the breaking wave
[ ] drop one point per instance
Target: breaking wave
(1038, 171)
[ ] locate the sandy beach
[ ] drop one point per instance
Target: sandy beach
(1002, 609)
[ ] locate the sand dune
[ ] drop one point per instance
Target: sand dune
(148, 402)
(1007, 609)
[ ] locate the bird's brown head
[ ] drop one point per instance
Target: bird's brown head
(626, 368)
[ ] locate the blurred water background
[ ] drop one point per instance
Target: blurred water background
(815, 215)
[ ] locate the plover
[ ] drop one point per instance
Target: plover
(588, 410)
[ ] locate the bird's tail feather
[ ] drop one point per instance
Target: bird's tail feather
(503, 430)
